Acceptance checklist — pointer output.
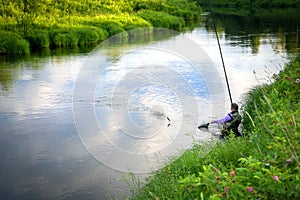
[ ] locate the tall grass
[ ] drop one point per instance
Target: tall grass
(12, 43)
(161, 19)
(38, 39)
(263, 165)
(73, 23)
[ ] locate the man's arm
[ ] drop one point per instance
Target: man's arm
(222, 120)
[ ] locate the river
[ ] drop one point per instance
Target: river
(74, 123)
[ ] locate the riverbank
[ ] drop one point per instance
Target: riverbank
(31, 25)
(262, 165)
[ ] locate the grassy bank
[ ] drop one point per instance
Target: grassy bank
(69, 23)
(262, 165)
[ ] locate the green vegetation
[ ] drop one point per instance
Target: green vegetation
(162, 19)
(12, 43)
(69, 23)
(251, 3)
(262, 165)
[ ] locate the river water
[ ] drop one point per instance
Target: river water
(74, 124)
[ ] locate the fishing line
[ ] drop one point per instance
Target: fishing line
(214, 24)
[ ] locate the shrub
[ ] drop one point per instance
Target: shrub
(112, 28)
(71, 39)
(102, 33)
(87, 36)
(161, 19)
(38, 39)
(76, 36)
(12, 43)
(60, 39)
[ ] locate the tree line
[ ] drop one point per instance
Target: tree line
(251, 3)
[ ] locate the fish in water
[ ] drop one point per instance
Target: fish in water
(203, 126)
(169, 124)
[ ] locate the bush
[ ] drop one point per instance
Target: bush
(71, 39)
(87, 36)
(102, 33)
(12, 43)
(77, 36)
(60, 40)
(161, 19)
(38, 39)
(112, 28)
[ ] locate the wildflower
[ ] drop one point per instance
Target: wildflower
(288, 78)
(226, 189)
(232, 173)
(297, 80)
(289, 160)
(276, 178)
(250, 189)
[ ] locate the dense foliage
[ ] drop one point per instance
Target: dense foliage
(262, 165)
(251, 3)
(45, 23)
(13, 43)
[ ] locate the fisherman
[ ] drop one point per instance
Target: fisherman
(230, 122)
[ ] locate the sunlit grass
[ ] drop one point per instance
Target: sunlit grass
(12, 43)
(76, 23)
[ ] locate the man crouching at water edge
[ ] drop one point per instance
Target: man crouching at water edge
(230, 122)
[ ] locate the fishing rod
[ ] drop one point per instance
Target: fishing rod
(215, 28)
(226, 78)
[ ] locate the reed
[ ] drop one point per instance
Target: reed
(161, 19)
(38, 39)
(12, 43)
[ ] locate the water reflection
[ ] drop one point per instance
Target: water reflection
(279, 26)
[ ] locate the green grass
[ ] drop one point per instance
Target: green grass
(162, 19)
(262, 165)
(70, 23)
(13, 43)
(39, 39)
